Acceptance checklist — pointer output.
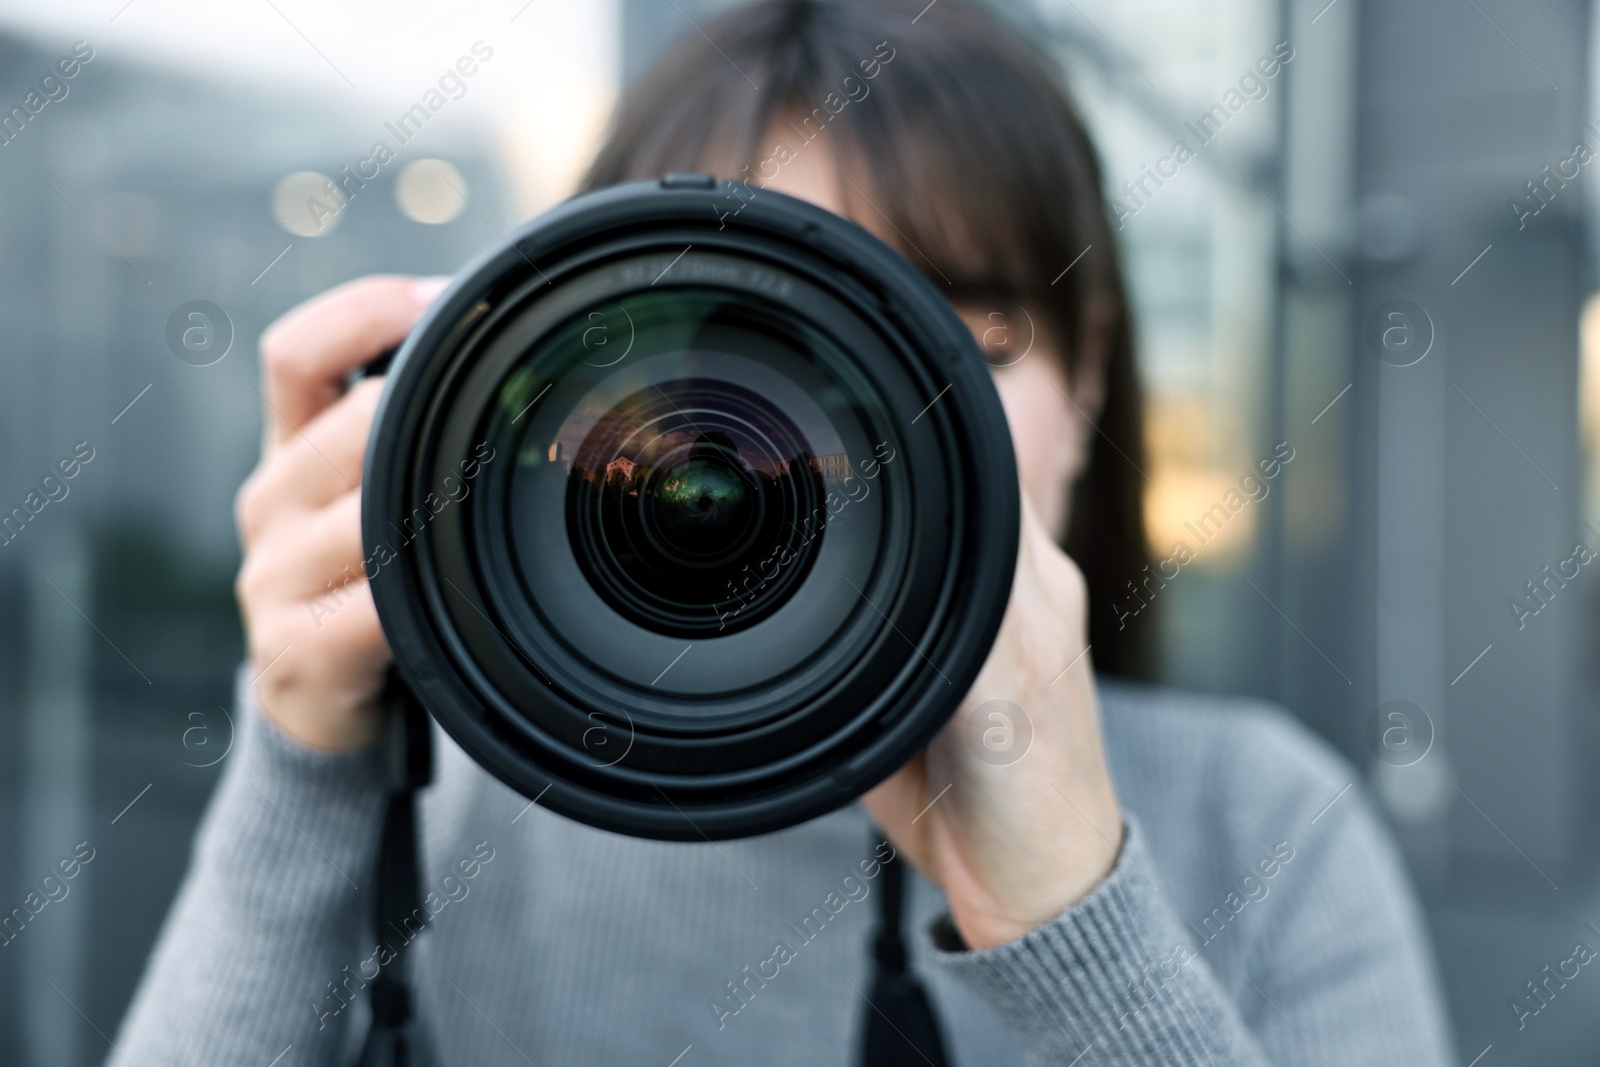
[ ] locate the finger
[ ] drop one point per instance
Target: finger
(303, 673)
(895, 805)
(307, 355)
(1032, 531)
(895, 801)
(1042, 561)
(315, 466)
(295, 653)
(310, 559)
(350, 638)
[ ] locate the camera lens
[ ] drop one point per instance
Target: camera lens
(690, 528)
(680, 494)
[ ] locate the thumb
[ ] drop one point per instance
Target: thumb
(895, 804)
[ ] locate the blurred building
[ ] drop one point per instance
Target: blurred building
(139, 191)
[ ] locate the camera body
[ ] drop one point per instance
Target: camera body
(690, 523)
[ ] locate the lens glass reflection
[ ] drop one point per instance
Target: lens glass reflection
(694, 447)
(682, 488)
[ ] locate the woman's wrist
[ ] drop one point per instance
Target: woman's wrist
(1083, 852)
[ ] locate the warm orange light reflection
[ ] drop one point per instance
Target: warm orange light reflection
(1193, 471)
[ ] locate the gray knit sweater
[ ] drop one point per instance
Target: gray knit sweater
(1257, 915)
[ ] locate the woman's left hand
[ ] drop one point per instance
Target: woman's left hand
(1012, 841)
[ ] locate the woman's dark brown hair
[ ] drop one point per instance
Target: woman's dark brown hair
(953, 129)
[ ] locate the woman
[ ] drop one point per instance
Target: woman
(1160, 879)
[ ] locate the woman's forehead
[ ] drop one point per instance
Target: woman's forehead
(842, 182)
(784, 162)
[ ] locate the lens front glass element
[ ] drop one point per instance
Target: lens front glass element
(690, 464)
(682, 489)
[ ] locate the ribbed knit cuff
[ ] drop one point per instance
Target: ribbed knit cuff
(288, 815)
(1114, 971)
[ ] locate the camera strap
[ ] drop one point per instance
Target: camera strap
(393, 1040)
(901, 1030)
(901, 1027)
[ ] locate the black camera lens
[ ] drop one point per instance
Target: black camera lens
(679, 493)
(690, 524)
(688, 493)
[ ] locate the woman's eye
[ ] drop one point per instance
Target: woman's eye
(998, 332)
(1004, 335)
(1004, 338)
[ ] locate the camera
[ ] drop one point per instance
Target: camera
(690, 510)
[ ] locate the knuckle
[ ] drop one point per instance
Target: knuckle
(249, 507)
(248, 583)
(277, 347)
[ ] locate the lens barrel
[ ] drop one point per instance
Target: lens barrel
(690, 510)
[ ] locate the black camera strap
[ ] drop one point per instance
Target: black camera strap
(901, 1029)
(393, 1040)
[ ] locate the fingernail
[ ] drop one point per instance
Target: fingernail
(425, 289)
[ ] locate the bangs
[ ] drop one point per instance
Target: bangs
(950, 137)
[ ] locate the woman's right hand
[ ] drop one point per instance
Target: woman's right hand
(317, 654)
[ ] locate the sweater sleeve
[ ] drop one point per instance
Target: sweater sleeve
(1113, 980)
(252, 958)
(1336, 970)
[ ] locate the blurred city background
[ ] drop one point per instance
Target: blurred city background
(1381, 260)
